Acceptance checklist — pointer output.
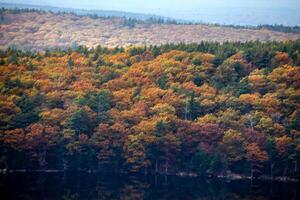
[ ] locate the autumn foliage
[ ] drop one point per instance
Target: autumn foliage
(204, 108)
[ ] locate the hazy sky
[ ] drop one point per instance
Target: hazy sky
(163, 5)
(278, 11)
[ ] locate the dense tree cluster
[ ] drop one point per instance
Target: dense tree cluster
(203, 108)
(275, 27)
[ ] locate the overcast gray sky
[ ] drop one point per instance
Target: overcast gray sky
(154, 5)
(278, 11)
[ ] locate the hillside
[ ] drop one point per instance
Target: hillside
(99, 13)
(204, 108)
(37, 31)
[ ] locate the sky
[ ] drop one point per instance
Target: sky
(163, 5)
(224, 11)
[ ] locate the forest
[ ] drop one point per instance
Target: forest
(132, 19)
(208, 108)
(37, 30)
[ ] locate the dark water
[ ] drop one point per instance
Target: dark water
(99, 186)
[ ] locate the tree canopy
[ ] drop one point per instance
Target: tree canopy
(203, 108)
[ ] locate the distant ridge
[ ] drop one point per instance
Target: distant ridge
(150, 18)
(31, 28)
(99, 13)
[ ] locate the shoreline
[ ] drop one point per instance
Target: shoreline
(228, 177)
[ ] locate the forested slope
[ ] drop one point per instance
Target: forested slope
(204, 108)
(33, 30)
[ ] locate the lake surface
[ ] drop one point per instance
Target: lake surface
(73, 186)
(241, 15)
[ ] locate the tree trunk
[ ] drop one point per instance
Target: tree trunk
(42, 157)
(166, 180)
(5, 163)
(285, 170)
(186, 108)
(166, 167)
(252, 171)
(251, 122)
(65, 164)
(271, 169)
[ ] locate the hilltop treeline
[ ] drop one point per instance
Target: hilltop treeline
(275, 27)
(131, 21)
(205, 108)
